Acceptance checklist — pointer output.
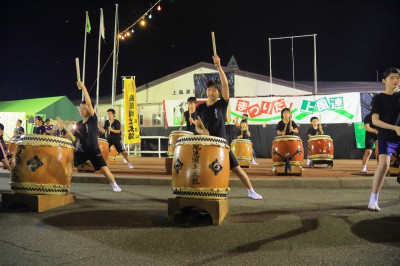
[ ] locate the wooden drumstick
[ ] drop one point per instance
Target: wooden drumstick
(66, 129)
(78, 70)
(201, 124)
(290, 120)
(190, 116)
(213, 43)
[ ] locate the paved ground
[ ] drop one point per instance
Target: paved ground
(295, 225)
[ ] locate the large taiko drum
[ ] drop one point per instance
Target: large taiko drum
(200, 167)
(172, 140)
(320, 147)
(42, 165)
(287, 148)
(242, 149)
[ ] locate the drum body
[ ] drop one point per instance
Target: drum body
(320, 147)
(172, 140)
(200, 167)
(242, 149)
(42, 165)
(104, 148)
(12, 146)
(287, 148)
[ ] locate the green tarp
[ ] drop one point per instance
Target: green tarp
(51, 106)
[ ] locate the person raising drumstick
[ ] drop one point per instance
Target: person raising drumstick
(87, 131)
(286, 126)
(212, 113)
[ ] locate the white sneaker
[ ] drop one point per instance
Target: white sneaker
(253, 195)
(308, 162)
(130, 165)
(253, 162)
(115, 187)
(374, 207)
(125, 161)
(273, 169)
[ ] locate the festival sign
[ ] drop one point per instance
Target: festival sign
(131, 123)
(330, 109)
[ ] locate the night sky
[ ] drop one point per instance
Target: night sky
(40, 40)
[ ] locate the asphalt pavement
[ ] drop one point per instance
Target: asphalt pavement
(296, 225)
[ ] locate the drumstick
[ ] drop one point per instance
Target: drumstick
(66, 129)
(213, 43)
(78, 70)
(202, 125)
(190, 116)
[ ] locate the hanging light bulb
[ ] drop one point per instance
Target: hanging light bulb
(143, 22)
(128, 34)
(133, 31)
(120, 36)
(150, 16)
(159, 7)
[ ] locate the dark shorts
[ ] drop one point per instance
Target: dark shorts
(94, 157)
(388, 147)
(369, 141)
(117, 144)
(233, 162)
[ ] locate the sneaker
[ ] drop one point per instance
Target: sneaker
(125, 161)
(253, 195)
(308, 162)
(374, 207)
(364, 171)
(130, 165)
(116, 188)
(273, 169)
(253, 162)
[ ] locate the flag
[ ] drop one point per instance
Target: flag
(102, 24)
(131, 116)
(88, 27)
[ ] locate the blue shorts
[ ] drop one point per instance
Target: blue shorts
(388, 147)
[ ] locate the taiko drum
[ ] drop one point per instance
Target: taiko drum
(42, 165)
(200, 167)
(172, 140)
(320, 147)
(287, 148)
(242, 149)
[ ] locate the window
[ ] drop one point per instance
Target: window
(180, 92)
(141, 120)
(156, 119)
(187, 91)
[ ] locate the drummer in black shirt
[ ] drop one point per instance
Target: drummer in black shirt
(286, 126)
(86, 131)
(190, 115)
(39, 128)
(315, 129)
(213, 115)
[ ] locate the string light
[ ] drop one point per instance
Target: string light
(125, 33)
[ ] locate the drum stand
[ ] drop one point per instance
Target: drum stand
(321, 161)
(168, 165)
(288, 166)
(36, 203)
(217, 209)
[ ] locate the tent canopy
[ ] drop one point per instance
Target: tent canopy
(51, 106)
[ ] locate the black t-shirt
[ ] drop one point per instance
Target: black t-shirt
(214, 117)
(48, 127)
(281, 127)
(87, 134)
(39, 130)
(189, 127)
(19, 130)
(388, 109)
(368, 120)
(245, 134)
(116, 125)
(312, 131)
(61, 133)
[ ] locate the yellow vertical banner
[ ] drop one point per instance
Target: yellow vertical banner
(131, 116)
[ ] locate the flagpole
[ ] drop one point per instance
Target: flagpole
(98, 60)
(84, 52)
(114, 58)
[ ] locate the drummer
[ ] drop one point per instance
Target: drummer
(371, 135)
(86, 131)
(190, 115)
(286, 126)
(39, 128)
(315, 129)
(245, 134)
(213, 114)
(112, 129)
(19, 130)
(3, 148)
